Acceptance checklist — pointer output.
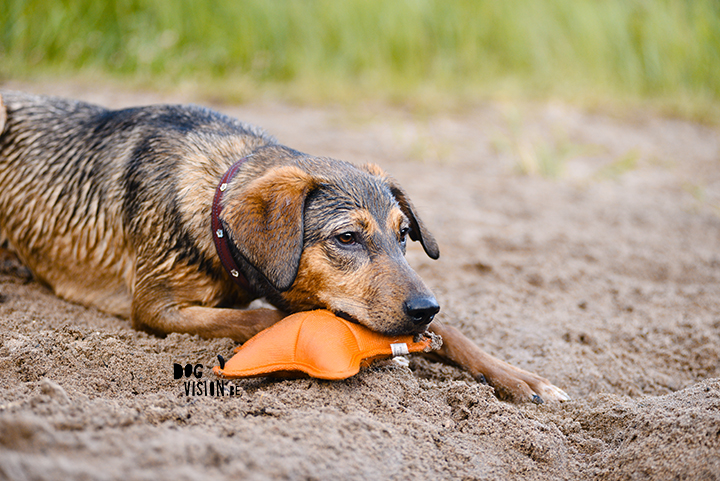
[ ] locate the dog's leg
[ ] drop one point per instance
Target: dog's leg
(169, 296)
(209, 322)
(510, 382)
(239, 325)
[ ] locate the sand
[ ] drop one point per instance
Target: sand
(602, 275)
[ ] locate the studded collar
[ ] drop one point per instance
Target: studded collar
(219, 233)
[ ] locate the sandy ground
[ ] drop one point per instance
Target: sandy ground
(603, 275)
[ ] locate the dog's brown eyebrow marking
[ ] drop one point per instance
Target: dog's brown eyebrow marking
(396, 220)
(353, 220)
(365, 220)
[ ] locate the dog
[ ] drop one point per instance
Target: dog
(177, 217)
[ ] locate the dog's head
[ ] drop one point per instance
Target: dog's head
(325, 234)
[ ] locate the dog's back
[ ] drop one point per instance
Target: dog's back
(76, 180)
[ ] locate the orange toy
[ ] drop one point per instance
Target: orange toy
(319, 344)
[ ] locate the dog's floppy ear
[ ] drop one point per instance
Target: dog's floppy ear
(418, 231)
(265, 222)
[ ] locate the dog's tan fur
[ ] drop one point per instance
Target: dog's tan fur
(112, 209)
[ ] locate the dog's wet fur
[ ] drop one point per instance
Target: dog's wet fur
(112, 209)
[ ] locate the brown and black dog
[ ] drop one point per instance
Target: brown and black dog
(112, 209)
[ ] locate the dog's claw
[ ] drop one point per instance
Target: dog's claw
(222, 361)
(537, 399)
(552, 393)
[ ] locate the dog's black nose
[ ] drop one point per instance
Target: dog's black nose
(421, 310)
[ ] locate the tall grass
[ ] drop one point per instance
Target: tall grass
(405, 48)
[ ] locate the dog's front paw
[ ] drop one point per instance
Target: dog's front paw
(517, 385)
(510, 383)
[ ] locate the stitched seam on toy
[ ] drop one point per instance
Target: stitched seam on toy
(297, 339)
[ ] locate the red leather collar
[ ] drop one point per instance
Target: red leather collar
(220, 235)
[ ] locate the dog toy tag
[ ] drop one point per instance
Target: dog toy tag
(318, 344)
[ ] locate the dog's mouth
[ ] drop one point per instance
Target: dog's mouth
(394, 332)
(347, 317)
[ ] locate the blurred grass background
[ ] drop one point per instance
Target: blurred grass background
(443, 53)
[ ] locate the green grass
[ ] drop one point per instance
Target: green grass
(664, 51)
(616, 169)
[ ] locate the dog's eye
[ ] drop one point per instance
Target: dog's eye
(403, 234)
(346, 238)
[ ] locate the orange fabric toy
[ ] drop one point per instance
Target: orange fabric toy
(319, 344)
